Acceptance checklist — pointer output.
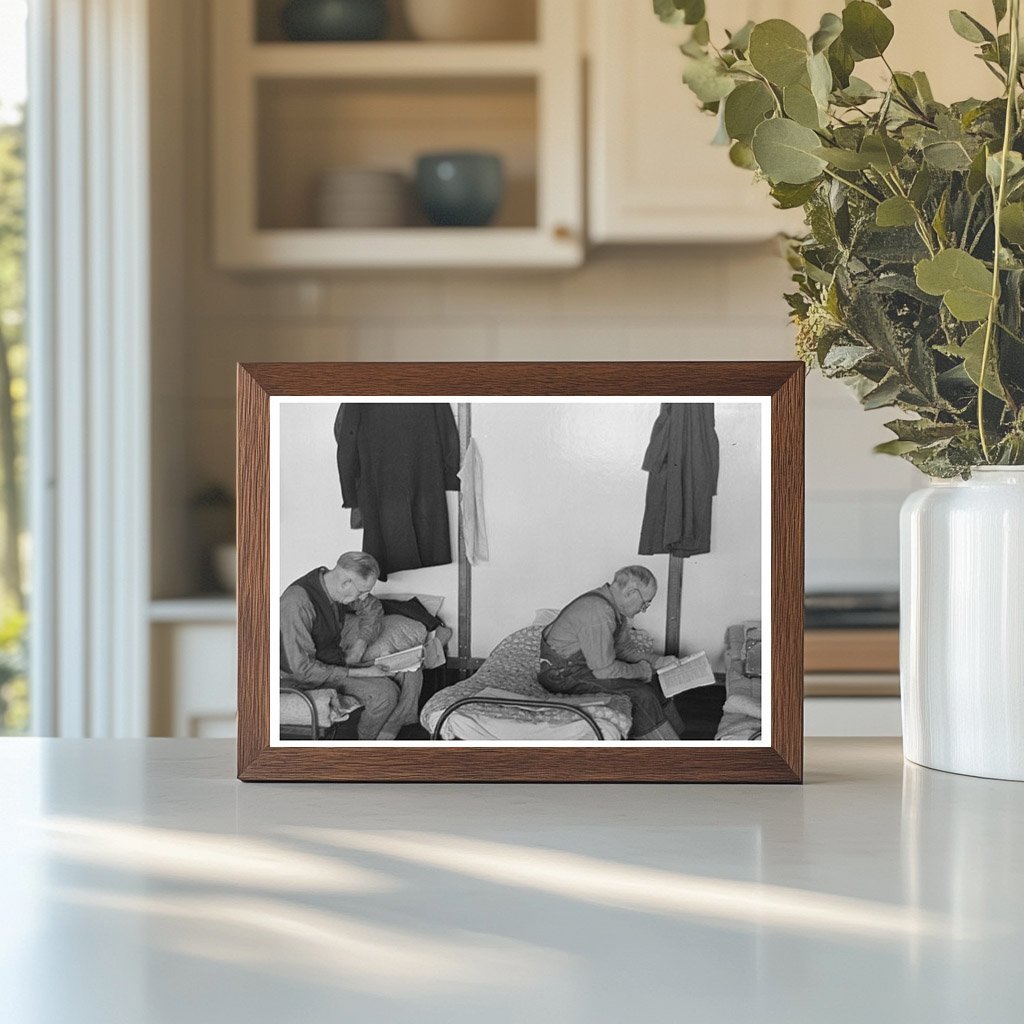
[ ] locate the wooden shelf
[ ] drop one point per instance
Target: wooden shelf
(393, 60)
(402, 247)
(286, 112)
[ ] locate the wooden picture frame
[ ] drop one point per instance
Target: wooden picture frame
(778, 759)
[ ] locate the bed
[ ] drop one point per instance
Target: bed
(741, 715)
(503, 700)
(325, 714)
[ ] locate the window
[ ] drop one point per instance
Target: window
(14, 547)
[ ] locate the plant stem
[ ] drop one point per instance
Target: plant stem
(993, 309)
(922, 225)
(855, 187)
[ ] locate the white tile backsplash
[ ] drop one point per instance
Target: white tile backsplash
(718, 302)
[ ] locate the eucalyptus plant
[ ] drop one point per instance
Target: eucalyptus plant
(910, 278)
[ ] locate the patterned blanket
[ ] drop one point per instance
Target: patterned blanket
(513, 666)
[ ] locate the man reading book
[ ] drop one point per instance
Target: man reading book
(328, 619)
(586, 650)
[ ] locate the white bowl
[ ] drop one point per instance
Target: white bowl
(361, 198)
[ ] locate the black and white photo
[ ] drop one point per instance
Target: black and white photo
(565, 570)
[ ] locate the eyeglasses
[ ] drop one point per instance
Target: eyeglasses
(644, 605)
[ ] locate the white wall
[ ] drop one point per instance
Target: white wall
(564, 495)
(315, 529)
(565, 498)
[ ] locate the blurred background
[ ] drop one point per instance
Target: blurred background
(249, 180)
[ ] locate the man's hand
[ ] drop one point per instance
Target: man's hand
(355, 653)
(663, 662)
(648, 671)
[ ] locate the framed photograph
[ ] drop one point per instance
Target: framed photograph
(520, 572)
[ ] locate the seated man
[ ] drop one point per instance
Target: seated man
(585, 650)
(328, 619)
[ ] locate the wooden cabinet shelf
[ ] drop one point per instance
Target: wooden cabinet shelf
(287, 114)
(392, 60)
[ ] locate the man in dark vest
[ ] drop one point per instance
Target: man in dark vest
(587, 650)
(328, 619)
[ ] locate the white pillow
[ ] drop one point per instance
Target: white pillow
(398, 634)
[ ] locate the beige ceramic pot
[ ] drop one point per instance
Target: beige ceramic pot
(470, 20)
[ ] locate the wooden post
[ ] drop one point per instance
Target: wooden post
(465, 569)
(675, 604)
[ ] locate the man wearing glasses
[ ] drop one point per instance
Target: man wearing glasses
(587, 649)
(328, 619)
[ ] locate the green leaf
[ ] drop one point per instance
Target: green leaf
(924, 88)
(895, 447)
(708, 81)
(841, 60)
(789, 197)
(976, 174)
(739, 41)
(785, 152)
(800, 105)
(701, 33)
(946, 156)
(896, 212)
(921, 185)
(971, 352)
(866, 29)
(745, 108)
(742, 155)
(820, 76)
(858, 91)
(923, 431)
(968, 28)
(999, 7)
(677, 12)
(883, 153)
(885, 394)
(844, 159)
(939, 220)
(1011, 226)
(778, 50)
(994, 167)
(829, 30)
(906, 88)
(963, 281)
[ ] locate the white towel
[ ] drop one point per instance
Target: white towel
(471, 496)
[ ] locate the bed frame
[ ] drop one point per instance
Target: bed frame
(515, 702)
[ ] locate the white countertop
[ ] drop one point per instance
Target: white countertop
(142, 884)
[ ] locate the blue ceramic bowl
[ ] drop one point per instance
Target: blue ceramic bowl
(334, 20)
(460, 189)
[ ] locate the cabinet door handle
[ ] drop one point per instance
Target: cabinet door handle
(563, 232)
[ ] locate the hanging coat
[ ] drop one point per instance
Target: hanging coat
(682, 463)
(395, 462)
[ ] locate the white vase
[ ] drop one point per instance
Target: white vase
(962, 624)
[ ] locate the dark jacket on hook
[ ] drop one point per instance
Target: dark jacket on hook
(395, 462)
(682, 463)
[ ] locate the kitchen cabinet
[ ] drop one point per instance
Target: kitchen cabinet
(192, 654)
(287, 113)
(653, 175)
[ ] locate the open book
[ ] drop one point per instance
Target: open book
(686, 674)
(401, 661)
